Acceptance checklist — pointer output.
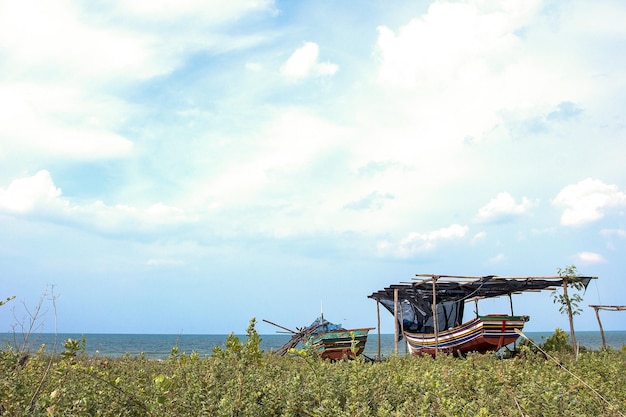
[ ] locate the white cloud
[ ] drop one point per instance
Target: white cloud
(164, 262)
(497, 259)
(52, 41)
(304, 62)
(452, 40)
(589, 258)
(479, 237)
(38, 196)
(123, 219)
(502, 207)
(417, 242)
(65, 64)
(211, 11)
(53, 95)
(621, 233)
(59, 122)
(587, 201)
(254, 66)
(60, 39)
(489, 66)
(290, 143)
(481, 57)
(25, 195)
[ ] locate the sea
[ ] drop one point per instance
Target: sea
(160, 346)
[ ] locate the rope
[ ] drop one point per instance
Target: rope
(475, 291)
(570, 372)
(598, 291)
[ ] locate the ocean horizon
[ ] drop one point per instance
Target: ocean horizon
(159, 346)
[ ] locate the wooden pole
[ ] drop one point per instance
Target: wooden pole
(278, 325)
(435, 314)
(402, 328)
(571, 318)
(597, 308)
(378, 314)
(395, 319)
(601, 329)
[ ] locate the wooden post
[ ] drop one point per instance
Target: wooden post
(597, 308)
(378, 314)
(511, 303)
(435, 314)
(571, 318)
(601, 329)
(395, 319)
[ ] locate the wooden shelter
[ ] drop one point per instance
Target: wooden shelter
(431, 303)
(597, 308)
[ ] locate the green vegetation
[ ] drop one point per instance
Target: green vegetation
(558, 342)
(241, 380)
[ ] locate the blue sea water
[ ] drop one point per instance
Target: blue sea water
(160, 346)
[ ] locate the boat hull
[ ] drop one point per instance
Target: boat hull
(482, 334)
(339, 344)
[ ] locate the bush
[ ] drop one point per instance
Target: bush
(558, 342)
(241, 380)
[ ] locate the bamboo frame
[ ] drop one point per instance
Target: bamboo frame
(471, 278)
(597, 308)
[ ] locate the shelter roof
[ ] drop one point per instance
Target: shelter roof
(458, 287)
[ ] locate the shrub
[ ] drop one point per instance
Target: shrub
(241, 380)
(558, 342)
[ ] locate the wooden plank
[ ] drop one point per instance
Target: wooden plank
(608, 307)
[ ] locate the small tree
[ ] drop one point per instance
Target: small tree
(569, 304)
(558, 342)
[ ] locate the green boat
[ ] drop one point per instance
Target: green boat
(328, 340)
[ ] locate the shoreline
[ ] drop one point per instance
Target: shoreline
(160, 346)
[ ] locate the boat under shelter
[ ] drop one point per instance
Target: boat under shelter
(431, 305)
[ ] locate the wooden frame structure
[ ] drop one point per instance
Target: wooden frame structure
(430, 289)
(597, 308)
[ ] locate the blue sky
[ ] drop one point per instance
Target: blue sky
(184, 166)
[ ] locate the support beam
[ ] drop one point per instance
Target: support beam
(601, 329)
(395, 319)
(435, 325)
(378, 315)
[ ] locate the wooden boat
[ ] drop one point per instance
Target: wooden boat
(429, 311)
(481, 334)
(331, 341)
(328, 340)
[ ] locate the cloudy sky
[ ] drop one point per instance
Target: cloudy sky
(183, 166)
